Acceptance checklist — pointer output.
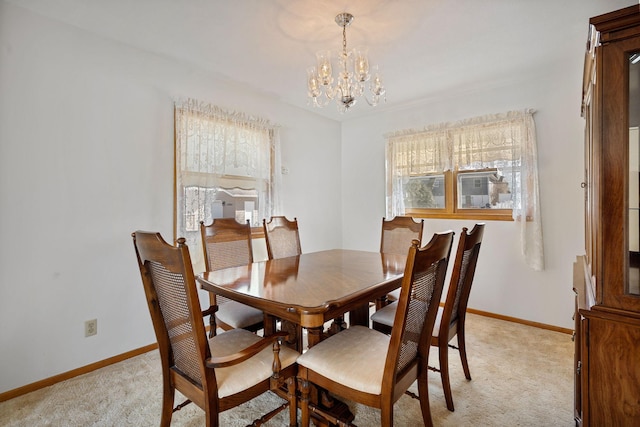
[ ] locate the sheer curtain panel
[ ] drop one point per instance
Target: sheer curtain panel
(504, 142)
(225, 165)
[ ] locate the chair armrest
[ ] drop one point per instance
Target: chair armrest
(241, 356)
(209, 310)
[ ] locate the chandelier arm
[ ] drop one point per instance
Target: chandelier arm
(376, 99)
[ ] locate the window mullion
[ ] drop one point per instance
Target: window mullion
(450, 190)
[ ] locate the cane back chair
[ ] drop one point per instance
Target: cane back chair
(227, 243)
(451, 317)
(396, 236)
(375, 369)
(282, 237)
(231, 368)
(283, 241)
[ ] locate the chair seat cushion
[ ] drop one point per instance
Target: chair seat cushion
(234, 379)
(238, 315)
(386, 314)
(354, 357)
(394, 295)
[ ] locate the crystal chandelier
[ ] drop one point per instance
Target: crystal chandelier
(352, 76)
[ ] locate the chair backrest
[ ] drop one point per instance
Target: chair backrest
(420, 294)
(464, 268)
(226, 243)
(282, 237)
(398, 233)
(172, 297)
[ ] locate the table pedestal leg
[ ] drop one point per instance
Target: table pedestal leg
(381, 302)
(314, 336)
(269, 323)
(324, 410)
(294, 340)
(360, 316)
(337, 325)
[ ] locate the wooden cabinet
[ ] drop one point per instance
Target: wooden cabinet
(606, 277)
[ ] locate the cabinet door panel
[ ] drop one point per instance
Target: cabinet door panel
(614, 377)
(619, 263)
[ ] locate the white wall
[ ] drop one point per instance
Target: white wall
(86, 157)
(503, 282)
(86, 152)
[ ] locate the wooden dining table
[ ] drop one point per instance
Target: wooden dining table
(311, 289)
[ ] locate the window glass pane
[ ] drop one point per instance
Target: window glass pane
(483, 190)
(424, 192)
(202, 203)
(236, 203)
(195, 205)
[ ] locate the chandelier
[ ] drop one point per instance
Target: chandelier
(352, 77)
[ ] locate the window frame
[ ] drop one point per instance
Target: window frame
(451, 210)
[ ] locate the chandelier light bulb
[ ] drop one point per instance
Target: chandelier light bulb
(362, 65)
(324, 67)
(376, 84)
(353, 70)
(312, 82)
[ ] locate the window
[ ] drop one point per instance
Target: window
(224, 166)
(448, 171)
(483, 168)
(481, 194)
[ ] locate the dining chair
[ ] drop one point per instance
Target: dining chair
(282, 237)
(374, 369)
(395, 238)
(398, 233)
(227, 243)
(216, 374)
(283, 241)
(450, 319)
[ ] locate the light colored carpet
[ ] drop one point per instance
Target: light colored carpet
(522, 376)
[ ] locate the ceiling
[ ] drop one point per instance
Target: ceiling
(423, 47)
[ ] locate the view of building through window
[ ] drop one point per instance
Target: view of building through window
(206, 204)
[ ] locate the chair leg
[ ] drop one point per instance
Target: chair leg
(443, 353)
(423, 392)
(293, 401)
(463, 353)
(168, 394)
(212, 419)
(212, 325)
(386, 416)
(304, 401)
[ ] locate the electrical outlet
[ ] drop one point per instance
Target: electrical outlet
(90, 327)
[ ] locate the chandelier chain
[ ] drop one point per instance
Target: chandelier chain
(344, 40)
